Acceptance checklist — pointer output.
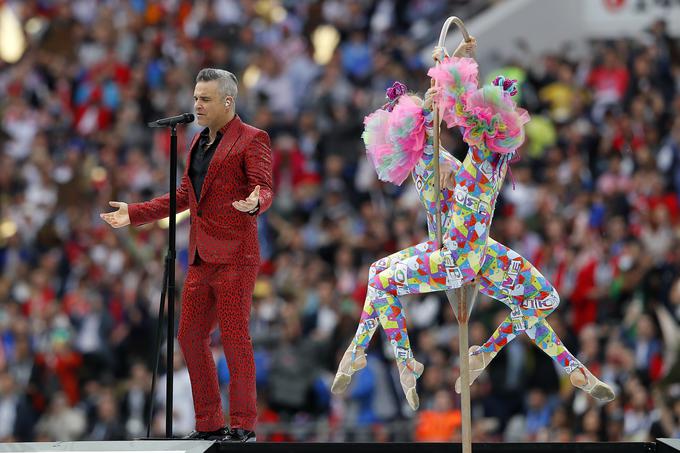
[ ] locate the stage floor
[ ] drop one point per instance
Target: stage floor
(636, 447)
(183, 446)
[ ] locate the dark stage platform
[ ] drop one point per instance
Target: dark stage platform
(444, 448)
(180, 446)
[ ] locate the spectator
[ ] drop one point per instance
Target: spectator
(595, 208)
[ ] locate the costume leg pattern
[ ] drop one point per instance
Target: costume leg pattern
(508, 277)
(377, 307)
(425, 268)
(384, 309)
(477, 183)
(513, 280)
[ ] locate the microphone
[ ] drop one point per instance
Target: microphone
(173, 120)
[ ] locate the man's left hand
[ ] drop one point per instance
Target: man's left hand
(251, 203)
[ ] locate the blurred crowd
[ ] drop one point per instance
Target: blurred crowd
(594, 205)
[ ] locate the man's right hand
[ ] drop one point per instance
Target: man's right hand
(119, 218)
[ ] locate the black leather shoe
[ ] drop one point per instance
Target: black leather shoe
(208, 435)
(240, 435)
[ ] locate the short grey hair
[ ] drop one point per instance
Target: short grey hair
(228, 85)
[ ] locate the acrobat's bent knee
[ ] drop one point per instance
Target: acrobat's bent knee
(544, 305)
(556, 298)
(377, 267)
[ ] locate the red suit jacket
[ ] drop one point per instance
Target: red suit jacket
(220, 232)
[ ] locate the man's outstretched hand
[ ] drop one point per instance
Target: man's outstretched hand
(119, 218)
(249, 204)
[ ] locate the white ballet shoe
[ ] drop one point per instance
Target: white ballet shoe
(409, 372)
(478, 363)
(352, 361)
(585, 380)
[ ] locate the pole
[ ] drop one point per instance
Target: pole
(171, 281)
(169, 290)
(461, 299)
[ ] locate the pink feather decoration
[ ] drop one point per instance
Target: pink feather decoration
(455, 77)
(395, 140)
(493, 120)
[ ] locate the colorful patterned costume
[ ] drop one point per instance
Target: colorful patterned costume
(493, 128)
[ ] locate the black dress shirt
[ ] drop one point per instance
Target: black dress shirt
(200, 160)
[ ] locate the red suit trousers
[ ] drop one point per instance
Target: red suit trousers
(222, 294)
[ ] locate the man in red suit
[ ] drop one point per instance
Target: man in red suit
(227, 182)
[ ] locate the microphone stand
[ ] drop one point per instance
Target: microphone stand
(169, 289)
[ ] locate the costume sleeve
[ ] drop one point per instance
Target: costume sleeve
(426, 190)
(159, 207)
(258, 160)
(423, 177)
